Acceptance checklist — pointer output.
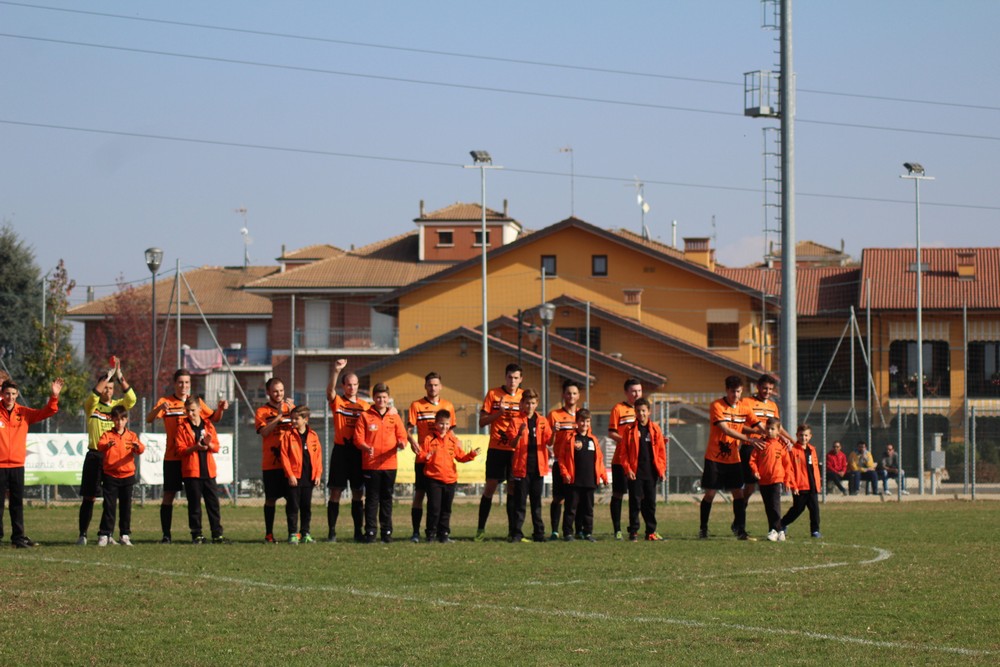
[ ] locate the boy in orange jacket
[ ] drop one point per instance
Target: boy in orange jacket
(197, 442)
(582, 466)
(644, 461)
(772, 466)
(379, 433)
(302, 461)
(530, 434)
(438, 453)
(120, 447)
(805, 482)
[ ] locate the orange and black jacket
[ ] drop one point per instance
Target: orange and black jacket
(173, 416)
(119, 452)
(567, 462)
(630, 449)
(801, 469)
(188, 449)
(383, 433)
(771, 465)
(14, 430)
(543, 435)
(440, 455)
(291, 454)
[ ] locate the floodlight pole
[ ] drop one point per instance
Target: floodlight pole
(154, 257)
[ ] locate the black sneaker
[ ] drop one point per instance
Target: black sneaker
(569, 537)
(198, 539)
(23, 543)
(632, 537)
(415, 538)
(446, 540)
(387, 539)
(332, 538)
(166, 540)
(703, 533)
(219, 539)
(744, 537)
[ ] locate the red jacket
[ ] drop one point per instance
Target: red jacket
(630, 449)
(291, 454)
(119, 453)
(187, 448)
(771, 465)
(384, 433)
(836, 462)
(440, 455)
(14, 431)
(801, 469)
(543, 435)
(567, 462)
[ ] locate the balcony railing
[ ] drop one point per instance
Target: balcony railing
(347, 338)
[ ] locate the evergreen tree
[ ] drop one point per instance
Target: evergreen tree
(20, 301)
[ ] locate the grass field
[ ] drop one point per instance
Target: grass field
(913, 583)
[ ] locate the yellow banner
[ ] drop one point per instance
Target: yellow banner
(473, 472)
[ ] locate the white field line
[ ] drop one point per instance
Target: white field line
(562, 613)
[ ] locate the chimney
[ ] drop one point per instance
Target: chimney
(698, 251)
(633, 299)
(421, 208)
(505, 208)
(966, 264)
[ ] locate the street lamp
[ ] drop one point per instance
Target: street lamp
(547, 313)
(915, 172)
(482, 161)
(154, 257)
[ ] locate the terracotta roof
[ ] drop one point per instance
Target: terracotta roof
(462, 212)
(386, 264)
(658, 246)
(894, 285)
(312, 252)
(819, 290)
(218, 290)
(813, 250)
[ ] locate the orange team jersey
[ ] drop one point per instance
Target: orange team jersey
(422, 415)
(441, 454)
(543, 436)
(345, 415)
(762, 410)
(804, 463)
(271, 443)
(496, 400)
(14, 432)
(174, 415)
(563, 423)
(383, 433)
(622, 416)
(119, 453)
(187, 447)
(771, 465)
(721, 447)
(291, 454)
(630, 449)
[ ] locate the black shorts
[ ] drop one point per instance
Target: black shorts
(558, 487)
(419, 479)
(619, 484)
(275, 484)
(345, 467)
(93, 468)
(498, 464)
(172, 477)
(722, 476)
(745, 452)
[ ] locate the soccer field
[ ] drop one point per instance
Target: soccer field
(913, 583)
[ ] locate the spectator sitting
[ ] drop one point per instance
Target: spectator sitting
(836, 467)
(861, 465)
(889, 469)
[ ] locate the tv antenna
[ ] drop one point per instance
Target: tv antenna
(643, 206)
(247, 239)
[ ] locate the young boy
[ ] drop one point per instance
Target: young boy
(422, 416)
(439, 451)
(379, 434)
(644, 460)
(530, 434)
(302, 461)
(771, 467)
(197, 443)
(805, 482)
(120, 447)
(582, 467)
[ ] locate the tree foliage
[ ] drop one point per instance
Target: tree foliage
(20, 300)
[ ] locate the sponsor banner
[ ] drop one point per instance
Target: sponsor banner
(57, 458)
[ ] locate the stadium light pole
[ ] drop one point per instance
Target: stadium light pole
(915, 172)
(547, 313)
(154, 257)
(482, 161)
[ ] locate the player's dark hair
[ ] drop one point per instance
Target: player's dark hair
(631, 382)
(734, 382)
(119, 411)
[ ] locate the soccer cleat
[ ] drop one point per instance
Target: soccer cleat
(743, 537)
(782, 536)
(554, 535)
(525, 540)
(569, 537)
(703, 533)
(102, 540)
(219, 539)
(126, 541)
(480, 535)
(166, 540)
(446, 540)
(539, 538)
(81, 541)
(307, 538)
(619, 536)
(772, 535)
(632, 537)
(293, 538)
(331, 538)
(654, 537)
(589, 537)
(387, 539)
(735, 529)
(269, 539)
(198, 539)
(415, 538)
(817, 534)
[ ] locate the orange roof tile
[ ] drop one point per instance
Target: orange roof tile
(894, 285)
(460, 211)
(312, 252)
(819, 290)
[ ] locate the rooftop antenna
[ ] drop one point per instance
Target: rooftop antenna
(643, 206)
(572, 180)
(247, 239)
(715, 241)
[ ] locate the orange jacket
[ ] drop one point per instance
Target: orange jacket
(119, 452)
(14, 431)
(441, 454)
(801, 469)
(174, 415)
(271, 443)
(291, 454)
(630, 449)
(543, 435)
(622, 416)
(384, 433)
(187, 448)
(567, 462)
(771, 465)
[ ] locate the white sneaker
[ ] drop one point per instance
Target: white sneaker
(781, 536)
(126, 541)
(772, 536)
(81, 541)
(111, 540)
(102, 540)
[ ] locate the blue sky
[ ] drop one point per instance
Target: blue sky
(359, 133)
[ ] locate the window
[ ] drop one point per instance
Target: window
(549, 265)
(903, 369)
(446, 238)
(984, 369)
(814, 356)
(723, 334)
(478, 238)
(579, 335)
(599, 265)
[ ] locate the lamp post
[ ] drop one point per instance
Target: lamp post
(154, 257)
(915, 172)
(547, 313)
(482, 161)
